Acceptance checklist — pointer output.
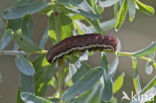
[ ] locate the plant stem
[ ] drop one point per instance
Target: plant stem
(12, 52)
(60, 78)
(141, 57)
(16, 52)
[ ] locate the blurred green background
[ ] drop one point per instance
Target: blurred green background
(133, 36)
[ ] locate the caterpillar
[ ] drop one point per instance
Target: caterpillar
(80, 43)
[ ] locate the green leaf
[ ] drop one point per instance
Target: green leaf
(1, 23)
(22, 8)
(25, 43)
(151, 48)
(72, 2)
(92, 96)
(26, 83)
(44, 38)
(108, 87)
(118, 83)
(43, 75)
(107, 3)
(151, 84)
(27, 26)
(0, 78)
(82, 28)
(104, 63)
(32, 98)
(6, 38)
(131, 9)
(81, 71)
(24, 65)
(152, 55)
(99, 9)
(96, 24)
(136, 81)
(82, 97)
(84, 83)
(14, 24)
(113, 66)
(148, 68)
(95, 95)
(145, 8)
(60, 26)
(116, 9)
(105, 26)
(19, 100)
(121, 15)
(86, 10)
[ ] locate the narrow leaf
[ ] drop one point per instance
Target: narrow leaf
(116, 9)
(27, 26)
(131, 9)
(152, 55)
(60, 26)
(81, 71)
(151, 48)
(107, 3)
(43, 75)
(121, 15)
(113, 66)
(84, 83)
(6, 38)
(24, 65)
(72, 2)
(104, 63)
(151, 84)
(82, 28)
(23, 7)
(87, 11)
(96, 24)
(25, 43)
(148, 68)
(14, 24)
(136, 81)
(95, 95)
(26, 83)
(108, 88)
(82, 97)
(91, 96)
(105, 26)
(118, 83)
(145, 8)
(44, 38)
(19, 100)
(32, 98)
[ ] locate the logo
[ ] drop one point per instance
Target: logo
(138, 98)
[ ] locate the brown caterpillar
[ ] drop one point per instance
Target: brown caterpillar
(81, 43)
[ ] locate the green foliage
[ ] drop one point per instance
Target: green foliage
(118, 83)
(6, 38)
(84, 83)
(77, 81)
